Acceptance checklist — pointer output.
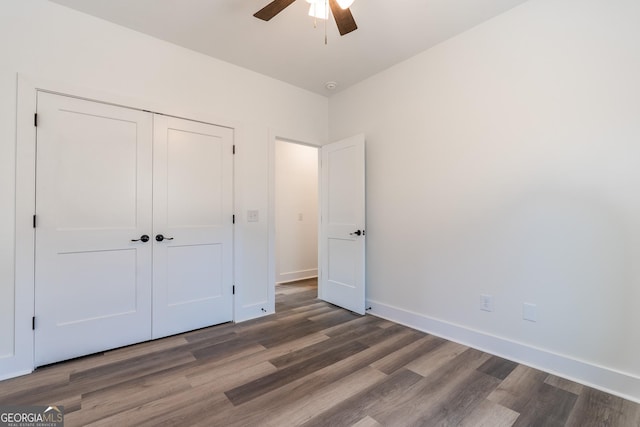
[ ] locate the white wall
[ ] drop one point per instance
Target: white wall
(296, 211)
(503, 161)
(506, 161)
(47, 42)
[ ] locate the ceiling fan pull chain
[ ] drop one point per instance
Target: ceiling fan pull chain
(315, 15)
(326, 8)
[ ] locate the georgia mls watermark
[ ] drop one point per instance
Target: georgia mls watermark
(31, 416)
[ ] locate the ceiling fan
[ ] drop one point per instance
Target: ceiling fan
(342, 15)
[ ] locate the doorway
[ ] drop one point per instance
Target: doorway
(296, 213)
(341, 228)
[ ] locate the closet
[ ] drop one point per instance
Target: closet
(134, 228)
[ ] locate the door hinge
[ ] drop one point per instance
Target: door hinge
(233, 219)
(35, 119)
(233, 291)
(33, 323)
(234, 149)
(34, 221)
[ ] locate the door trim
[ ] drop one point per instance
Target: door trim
(21, 361)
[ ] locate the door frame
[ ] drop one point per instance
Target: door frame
(306, 272)
(286, 137)
(22, 360)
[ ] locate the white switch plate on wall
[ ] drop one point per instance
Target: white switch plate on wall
(253, 216)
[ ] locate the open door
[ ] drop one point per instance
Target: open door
(342, 224)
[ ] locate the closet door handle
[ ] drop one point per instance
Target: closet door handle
(144, 238)
(160, 238)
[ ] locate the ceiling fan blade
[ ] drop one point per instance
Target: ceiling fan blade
(344, 18)
(272, 9)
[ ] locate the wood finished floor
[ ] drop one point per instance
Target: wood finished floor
(311, 364)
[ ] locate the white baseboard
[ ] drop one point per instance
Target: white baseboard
(609, 380)
(294, 276)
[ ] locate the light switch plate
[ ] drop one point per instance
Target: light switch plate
(253, 216)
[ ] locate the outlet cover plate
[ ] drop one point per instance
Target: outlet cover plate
(530, 312)
(486, 302)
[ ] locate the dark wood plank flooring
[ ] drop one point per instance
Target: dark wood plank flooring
(311, 364)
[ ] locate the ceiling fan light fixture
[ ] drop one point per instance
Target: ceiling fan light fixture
(319, 9)
(345, 4)
(343, 17)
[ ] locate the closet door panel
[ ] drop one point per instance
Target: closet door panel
(193, 208)
(93, 197)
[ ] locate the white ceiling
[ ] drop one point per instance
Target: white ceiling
(288, 47)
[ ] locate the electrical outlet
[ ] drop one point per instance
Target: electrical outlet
(486, 302)
(530, 312)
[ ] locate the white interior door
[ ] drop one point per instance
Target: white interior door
(93, 197)
(193, 209)
(342, 224)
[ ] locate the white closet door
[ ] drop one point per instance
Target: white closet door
(193, 231)
(93, 191)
